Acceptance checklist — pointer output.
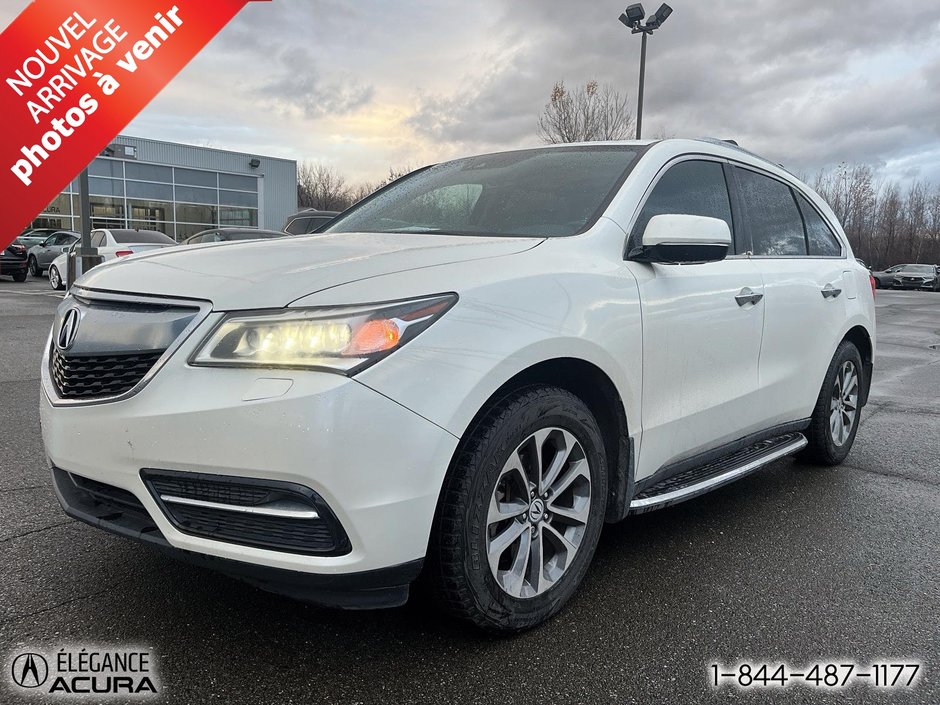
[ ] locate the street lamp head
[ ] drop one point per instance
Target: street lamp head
(661, 14)
(633, 15)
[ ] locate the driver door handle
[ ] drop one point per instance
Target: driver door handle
(747, 296)
(830, 292)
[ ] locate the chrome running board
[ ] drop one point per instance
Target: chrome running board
(697, 481)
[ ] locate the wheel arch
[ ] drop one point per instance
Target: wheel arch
(860, 337)
(595, 388)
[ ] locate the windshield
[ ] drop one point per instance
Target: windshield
(533, 193)
(919, 268)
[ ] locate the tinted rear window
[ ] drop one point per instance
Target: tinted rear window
(148, 237)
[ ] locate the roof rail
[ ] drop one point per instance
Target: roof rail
(731, 144)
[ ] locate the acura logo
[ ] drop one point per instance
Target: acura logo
(30, 670)
(69, 329)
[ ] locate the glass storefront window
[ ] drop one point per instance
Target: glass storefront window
(238, 198)
(195, 177)
(139, 189)
(105, 167)
(149, 172)
(239, 183)
(61, 205)
(195, 194)
(105, 187)
(245, 217)
(150, 210)
(105, 207)
(196, 214)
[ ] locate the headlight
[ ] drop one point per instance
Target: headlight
(341, 340)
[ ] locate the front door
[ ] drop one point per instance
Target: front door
(702, 329)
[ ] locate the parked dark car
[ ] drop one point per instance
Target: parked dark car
(917, 276)
(884, 279)
(13, 261)
(40, 256)
(231, 235)
(309, 220)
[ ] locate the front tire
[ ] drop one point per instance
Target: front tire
(34, 267)
(55, 279)
(521, 511)
(837, 413)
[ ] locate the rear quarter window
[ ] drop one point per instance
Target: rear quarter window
(821, 240)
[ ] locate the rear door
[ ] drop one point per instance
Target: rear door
(807, 284)
(702, 327)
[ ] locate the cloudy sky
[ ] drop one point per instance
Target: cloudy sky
(369, 85)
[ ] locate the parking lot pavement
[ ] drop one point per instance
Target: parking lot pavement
(795, 564)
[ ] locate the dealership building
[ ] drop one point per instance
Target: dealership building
(178, 189)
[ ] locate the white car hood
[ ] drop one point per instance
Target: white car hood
(273, 273)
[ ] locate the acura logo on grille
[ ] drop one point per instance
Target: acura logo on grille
(69, 329)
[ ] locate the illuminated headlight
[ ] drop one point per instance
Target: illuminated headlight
(336, 339)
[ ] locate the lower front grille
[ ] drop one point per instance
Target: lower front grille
(91, 377)
(279, 516)
(105, 506)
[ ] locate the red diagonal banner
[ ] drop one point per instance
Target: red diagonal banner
(74, 73)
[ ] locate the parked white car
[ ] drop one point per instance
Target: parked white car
(111, 244)
(468, 373)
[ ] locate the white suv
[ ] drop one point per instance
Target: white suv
(466, 375)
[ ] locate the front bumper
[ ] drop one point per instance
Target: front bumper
(928, 285)
(377, 465)
(386, 587)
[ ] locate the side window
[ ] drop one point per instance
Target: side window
(49, 241)
(315, 224)
(774, 219)
(298, 226)
(688, 188)
(821, 240)
(97, 239)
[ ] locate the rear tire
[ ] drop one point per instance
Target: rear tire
(20, 276)
(55, 279)
(521, 511)
(837, 413)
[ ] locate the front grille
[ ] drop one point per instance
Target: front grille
(90, 377)
(187, 499)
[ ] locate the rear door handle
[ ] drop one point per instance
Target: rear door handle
(830, 292)
(747, 296)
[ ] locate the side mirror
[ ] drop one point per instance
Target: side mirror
(683, 239)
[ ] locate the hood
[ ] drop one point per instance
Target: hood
(273, 273)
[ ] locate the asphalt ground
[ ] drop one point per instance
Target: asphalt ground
(797, 564)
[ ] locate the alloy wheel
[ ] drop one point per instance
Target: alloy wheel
(538, 512)
(54, 280)
(843, 405)
(33, 267)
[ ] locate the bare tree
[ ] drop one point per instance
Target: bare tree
(592, 113)
(322, 187)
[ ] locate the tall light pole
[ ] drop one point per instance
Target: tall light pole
(632, 18)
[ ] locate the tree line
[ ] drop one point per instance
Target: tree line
(886, 222)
